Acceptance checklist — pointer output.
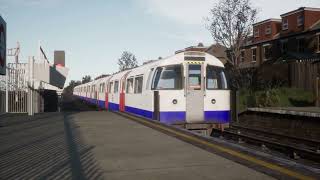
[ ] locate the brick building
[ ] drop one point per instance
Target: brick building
(286, 48)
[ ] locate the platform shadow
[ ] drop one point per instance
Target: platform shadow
(48, 147)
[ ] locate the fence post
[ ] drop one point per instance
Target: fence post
(30, 87)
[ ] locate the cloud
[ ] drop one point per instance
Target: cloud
(190, 12)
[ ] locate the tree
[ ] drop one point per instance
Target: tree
(69, 89)
(230, 24)
(127, 61)
(86, 79)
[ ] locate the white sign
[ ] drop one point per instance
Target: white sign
(3, 48)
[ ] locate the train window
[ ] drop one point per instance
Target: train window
(216, 78)
(138, 82)
(116, 87)
(101, 88)
(149, 79)
(129, 89)
(194, 79)
(169, 77)
(110, 87)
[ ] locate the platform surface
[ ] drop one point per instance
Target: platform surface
(299, 111)
(104, 145)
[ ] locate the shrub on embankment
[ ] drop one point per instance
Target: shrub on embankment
(278, 97)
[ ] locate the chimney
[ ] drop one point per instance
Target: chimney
(59, 58)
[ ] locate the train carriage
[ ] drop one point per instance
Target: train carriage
(188, 87)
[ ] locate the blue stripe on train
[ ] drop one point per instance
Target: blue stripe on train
(140, 112)
(171, 117)
(165, 117)
(113, 106)
(168, 117)
(102, 104)
(217, 116)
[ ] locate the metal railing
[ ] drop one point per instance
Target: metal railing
(19, 91)
(17, 88)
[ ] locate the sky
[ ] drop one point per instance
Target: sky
(94, 33)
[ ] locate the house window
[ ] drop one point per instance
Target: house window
(256, 32)
(284, 46)
(284, 24)
(242, 56)
(268, 29)
(300, 20)
(267, 52)
(300, 45)
(254, 54)
(138, 82)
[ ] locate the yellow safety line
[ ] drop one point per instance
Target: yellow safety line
(231, 152)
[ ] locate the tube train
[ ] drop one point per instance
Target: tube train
(188, 87)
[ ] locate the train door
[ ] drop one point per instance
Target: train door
(106, 96)
(95, 95)
(115, 95)
(122, 92)
(110, 96)
(194, 93)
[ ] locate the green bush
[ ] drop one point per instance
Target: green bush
(279, 97)
(267, 98)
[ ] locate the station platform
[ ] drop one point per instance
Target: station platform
(297, 111)
(105, 145)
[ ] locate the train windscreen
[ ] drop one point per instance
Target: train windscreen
(216, 78)
(169, 77)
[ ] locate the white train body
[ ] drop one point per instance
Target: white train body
(189, 87)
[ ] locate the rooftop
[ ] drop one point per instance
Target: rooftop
(298, 10)
(267, 20)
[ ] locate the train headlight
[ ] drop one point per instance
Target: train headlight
(213, 101)
(175, 101)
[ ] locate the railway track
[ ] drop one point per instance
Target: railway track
(295, 147)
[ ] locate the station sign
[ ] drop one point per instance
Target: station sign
(3, 47)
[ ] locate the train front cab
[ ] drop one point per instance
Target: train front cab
(195, 92)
